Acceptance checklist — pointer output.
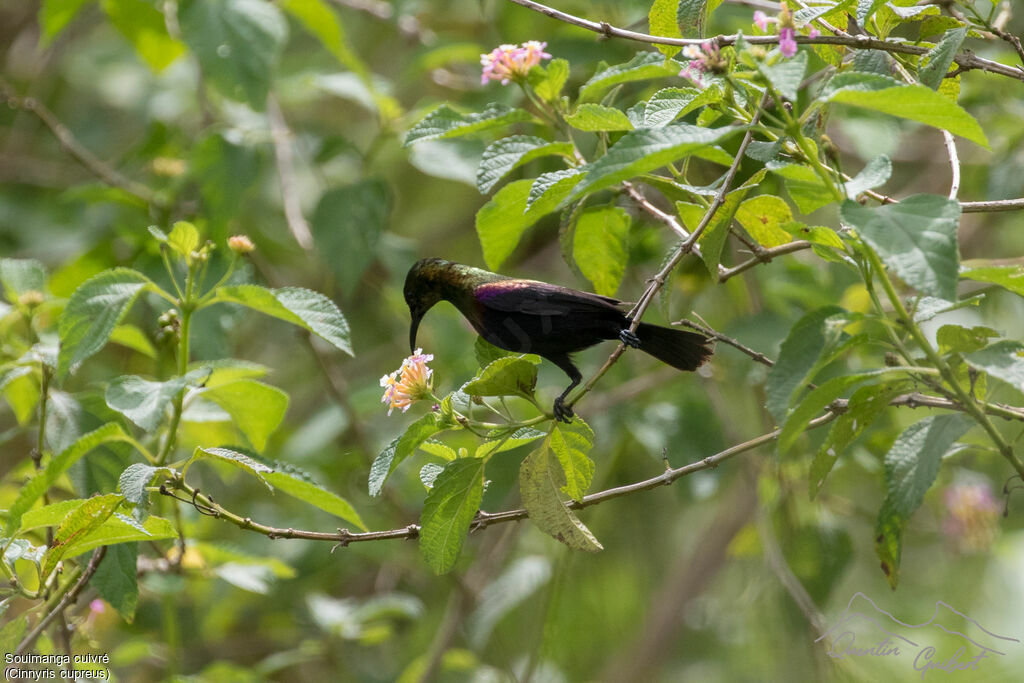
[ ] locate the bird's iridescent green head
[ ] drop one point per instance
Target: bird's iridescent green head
(423, 290)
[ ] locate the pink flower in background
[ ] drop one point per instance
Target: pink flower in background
(761, 20)
(787, 29)
(787, 41)
(972, 516)
(510, 62)
(409, 383)
(703, 59)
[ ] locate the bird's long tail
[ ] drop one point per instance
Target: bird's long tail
(678, 348)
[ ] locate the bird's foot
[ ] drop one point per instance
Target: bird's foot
(629, 339)
(562, 412)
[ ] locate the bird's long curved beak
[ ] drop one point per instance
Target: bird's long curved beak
(412, 331)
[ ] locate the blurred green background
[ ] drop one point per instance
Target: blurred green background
(692, 584)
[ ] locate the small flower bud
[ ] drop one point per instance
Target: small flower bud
(240, 244)
(31, 298)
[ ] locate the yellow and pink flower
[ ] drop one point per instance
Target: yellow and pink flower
(410, 383)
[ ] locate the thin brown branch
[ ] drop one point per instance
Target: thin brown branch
(69, 597)
(954, 164)
(764, 257)
(992, 206)
(282, 138)
(76, 149)
(965, 60)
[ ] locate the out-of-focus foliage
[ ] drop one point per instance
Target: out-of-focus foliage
(347, 139)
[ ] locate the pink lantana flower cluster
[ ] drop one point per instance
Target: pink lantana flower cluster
(787, 29)
(703, 59)
(510, 62)
(410, 383)
(972, 516)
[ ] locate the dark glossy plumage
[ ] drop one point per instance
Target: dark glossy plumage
(528, 316)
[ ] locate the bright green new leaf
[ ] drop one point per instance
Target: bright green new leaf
(235, 459)
(256, 408)
(503, 156)
(184, 239)
(597, 117)
(540, 479)
(131, 337)
(548, 81)
(571, 443)
(601, 246)
(449, 510)
(309, 310)
(963, 339)
(505, 376)
(916, 238)
(144, 25)
(93, 311)
(663, 22)
(1007, 277)
(401, 448)
(762, 217)
(445, 122)
(238, 43)
(120, 528)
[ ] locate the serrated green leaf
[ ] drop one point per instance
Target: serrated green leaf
(601, 246)
(540, 479)
(1004, 361)
(762, 217)
(663, 22)
(184, 239)
(641, 151)
(867, 8)
(235, 459)
(429, 472)
(501, 222)
(916, 238)
(786, 75)
(116, 579)
(144, 25)
(571, 443)
(504, 377)
(347, 225)
(963, 339)
(910, 469)
(520, 437)
(668, 104)
(644, 66)
(445, 122)
(309, 492)
(143, 401)
(805, 188)
(119, 528)
(692, 15)
(798, 356)
(551, 188)
(77, 525)
(436, 448)
(486, 352)
(238, 43)
(256, 408)
(401, 448)
(597, 117)
(34, 489)
(1007, 277)
(551, 81)
(309, 310)
(503, 156)
(940, 57)
(19, 276)
(93, 311)
(449, 510)
(871, 176)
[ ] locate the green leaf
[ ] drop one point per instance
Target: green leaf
(401, 448)
(238, 43)
(306, 490)
(131, 337)
(21, 390)
(693, 14)
(712, 240)
(347, 226)
(939, 58)
(133, 482)
(449, 510)
(644, 66)
(143, 401)
(551, 188)
(910, 469)
(916, 238)
(235, 459)
(440, 450)
(55, 15)
(309, 310)
(595, 117)
(119, 528)
(501, 222)
(13, 631)
(520, 437)
(144, 25)
(871, 176)
(786, 75)
(503, 156)
(505, 376)
(866, 8)
(540, 479)
(1007, 277)
(762, 216)
(93, 311)
(19, 276)
(662, 22)
(914, 102)
(317, 17)
(1004, 361)
(77, 525)
(668, 104)
(642, 151)
(116, 579)
(866, 404)
(184, 239)
(39, 484)
(571, 443)
(486, 352)
(805, 188)
(445, 122)
(549, 81)
(601, 246)
(214, 373)
(962, 339)
(256, 408)
(798, 356)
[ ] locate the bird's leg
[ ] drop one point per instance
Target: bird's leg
(562, 412)
(629, 338)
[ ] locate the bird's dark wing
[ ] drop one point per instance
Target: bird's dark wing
(539, 298)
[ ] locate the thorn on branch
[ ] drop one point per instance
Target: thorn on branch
(344, 538)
